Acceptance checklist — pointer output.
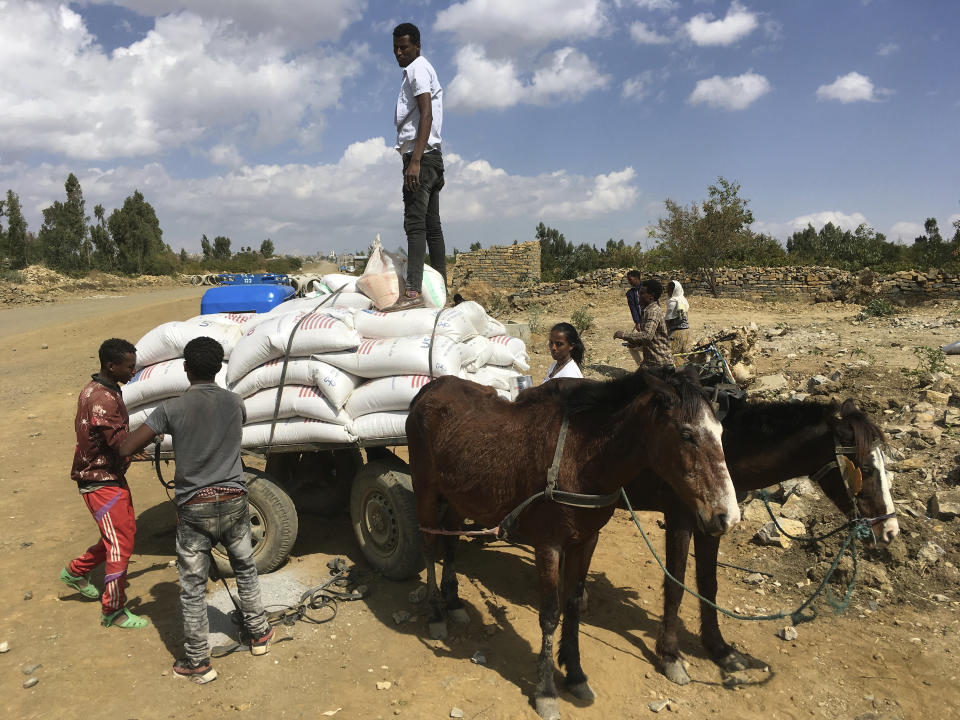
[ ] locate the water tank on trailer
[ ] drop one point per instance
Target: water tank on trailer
(244, 298)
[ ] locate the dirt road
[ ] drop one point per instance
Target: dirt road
(899, 660)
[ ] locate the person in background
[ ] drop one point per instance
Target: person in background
(678, 319)
(633, 297)
(419, 119)
(99, 469)
(206, 423)
(567, 351)
(650, 345)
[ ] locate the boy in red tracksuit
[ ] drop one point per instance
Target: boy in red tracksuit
(99, 471)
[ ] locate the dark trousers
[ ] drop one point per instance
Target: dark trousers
(421, 219)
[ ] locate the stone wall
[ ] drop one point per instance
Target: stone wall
(814, 284)
(510, 266)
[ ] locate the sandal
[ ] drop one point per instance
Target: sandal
(129, 622)
(80, 583)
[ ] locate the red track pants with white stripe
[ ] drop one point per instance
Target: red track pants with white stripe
(112, 508)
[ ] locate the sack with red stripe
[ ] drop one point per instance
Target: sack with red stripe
(159, 381)
(507, 351)
(166, 342)
(334, 383)
(453, 323)
(295, 401)
(296, 431)
(493, 328)
(384, 394)
(399, 356)
(380, 425)
(319, 332)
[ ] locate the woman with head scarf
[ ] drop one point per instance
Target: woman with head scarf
(678, 320)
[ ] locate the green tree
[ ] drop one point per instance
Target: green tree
(704, 236)
(105, 253)
(136, 231)
(474, 246)
(184, 258)
(63, 234)
(206, 248)
(221, 248)
(266, 249)
(15, 237)
(930, 250)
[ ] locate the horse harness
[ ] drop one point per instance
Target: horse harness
(579, 500)
(849, 472)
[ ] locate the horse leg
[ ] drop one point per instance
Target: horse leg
(428, 512)
(548, 566)
(576, 565)
(448, 582)
(678, 545)
(726, 656)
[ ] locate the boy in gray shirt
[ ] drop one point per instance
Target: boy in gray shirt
(206, 423)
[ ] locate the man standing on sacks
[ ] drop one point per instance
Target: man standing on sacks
(206, 424)
(419, 117)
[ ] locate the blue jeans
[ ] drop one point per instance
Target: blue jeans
(421, 219)
(199, 528)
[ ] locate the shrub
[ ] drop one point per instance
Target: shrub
(581, 319)
(879, 307)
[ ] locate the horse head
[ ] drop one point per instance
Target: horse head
(860, 487)
(687, 450)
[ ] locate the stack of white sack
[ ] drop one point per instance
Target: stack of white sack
(348, 375)
(166, 342)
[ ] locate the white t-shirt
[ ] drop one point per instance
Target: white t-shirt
(571, 370)
(419, 77)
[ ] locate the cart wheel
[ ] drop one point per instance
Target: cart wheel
(273, 524)
(384, 517)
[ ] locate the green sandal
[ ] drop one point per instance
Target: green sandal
(80, 583)
(129, 622)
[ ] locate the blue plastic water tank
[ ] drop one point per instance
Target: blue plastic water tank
(244, 298)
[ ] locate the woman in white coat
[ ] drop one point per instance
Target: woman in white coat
(677, 318)
(567, 351)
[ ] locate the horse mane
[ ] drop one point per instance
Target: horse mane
(680, 388)
(866, 433)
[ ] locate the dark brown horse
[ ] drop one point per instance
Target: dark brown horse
(474, 455)
(766, 443)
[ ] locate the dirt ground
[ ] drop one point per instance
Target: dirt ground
(893, 654)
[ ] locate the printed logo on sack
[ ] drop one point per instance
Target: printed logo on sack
(366, 347)
(329, 381)
(308, 392)
(418, 381)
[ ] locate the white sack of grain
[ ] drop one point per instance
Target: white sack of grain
(398, 356)
(296, 431)
(161, 380)
(380, 425)
(507, 351)
(385, 394)
(335, 384)
(295, 401)
(377, 325)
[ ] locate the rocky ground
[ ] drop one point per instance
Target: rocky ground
(892, 655)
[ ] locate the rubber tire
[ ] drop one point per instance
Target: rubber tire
(273, 520)
(384, 517)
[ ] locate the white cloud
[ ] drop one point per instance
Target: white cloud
(665, 5)
(637, 87)
(730, 93)
(484, 83)
(503, 26)
(852, 87)
(352, 199)
(887, 49)
(905, 231)
(225, 154)
(738, 23)
(643, 35)
(189, 81)
(302, 23)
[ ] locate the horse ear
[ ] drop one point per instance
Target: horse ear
(849, 406)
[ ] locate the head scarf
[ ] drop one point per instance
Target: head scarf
(677, 305)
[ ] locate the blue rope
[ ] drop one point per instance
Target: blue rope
(858, 529)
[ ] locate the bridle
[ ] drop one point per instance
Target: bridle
(851, 475)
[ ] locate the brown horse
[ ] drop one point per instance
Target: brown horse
(766, 443)
(474, 455)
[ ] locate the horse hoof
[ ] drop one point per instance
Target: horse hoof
(438, 630)
(733, 662)
(459, 615)
(547, 708)
(582, 691)
(675, 672)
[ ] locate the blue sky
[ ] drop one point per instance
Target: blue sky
(262, 119)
